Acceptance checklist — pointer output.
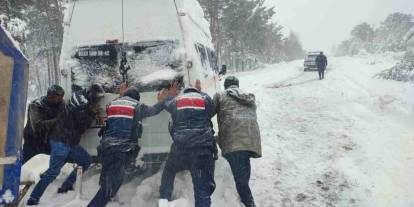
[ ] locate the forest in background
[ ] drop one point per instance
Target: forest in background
(394, 34)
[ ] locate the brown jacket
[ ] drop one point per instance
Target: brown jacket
(237, 122)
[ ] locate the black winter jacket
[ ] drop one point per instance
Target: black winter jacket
(321, 62)
(46, 121)
(82, 114)
(191, 120)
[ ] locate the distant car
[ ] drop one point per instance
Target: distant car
(309, 63)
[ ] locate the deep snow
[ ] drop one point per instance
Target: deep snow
(344, 141)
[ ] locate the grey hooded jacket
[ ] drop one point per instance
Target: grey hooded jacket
(237, 122)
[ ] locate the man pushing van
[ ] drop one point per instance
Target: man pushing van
(120, 140)
(55, 119)
(192, 147)
(239, 134)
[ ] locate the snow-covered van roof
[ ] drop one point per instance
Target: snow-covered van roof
(93, 22)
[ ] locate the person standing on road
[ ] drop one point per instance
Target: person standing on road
(120, 141)
(321, 62)
(239, 134)
(192, 147)
(63, 145)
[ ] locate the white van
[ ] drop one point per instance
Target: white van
(161, 40)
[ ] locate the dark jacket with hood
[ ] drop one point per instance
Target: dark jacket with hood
(82, 113)
(237, 121)
(191, 114)
(46, 121)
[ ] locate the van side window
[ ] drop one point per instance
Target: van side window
(203, 55)
(212, 56)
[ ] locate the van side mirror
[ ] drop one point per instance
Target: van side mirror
(223, 70)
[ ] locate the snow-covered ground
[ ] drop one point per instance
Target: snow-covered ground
(345, 141)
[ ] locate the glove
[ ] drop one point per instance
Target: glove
(101, 131)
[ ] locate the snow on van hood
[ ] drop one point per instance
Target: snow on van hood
(160, 75)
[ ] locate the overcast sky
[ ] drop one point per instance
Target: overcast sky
(322, 23)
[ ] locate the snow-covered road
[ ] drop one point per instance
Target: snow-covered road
(345, 141)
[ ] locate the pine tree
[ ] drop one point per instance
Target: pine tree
(37, 26)
(245, 32)
(390, 34)
(293, 48)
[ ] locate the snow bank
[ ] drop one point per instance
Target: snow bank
(32, 169)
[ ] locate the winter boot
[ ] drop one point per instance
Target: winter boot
(65, 189)
(32, 202)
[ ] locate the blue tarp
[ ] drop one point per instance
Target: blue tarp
(16, 113)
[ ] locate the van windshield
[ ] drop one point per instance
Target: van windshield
(100, 63)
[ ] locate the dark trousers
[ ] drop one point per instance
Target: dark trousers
(60, 153)
(321, 72)
(240, 166)
(201, 166)
(114, 164)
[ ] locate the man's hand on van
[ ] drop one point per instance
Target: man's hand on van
(198, 85)
(174, 89)
(162, 95)
(122, 88)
